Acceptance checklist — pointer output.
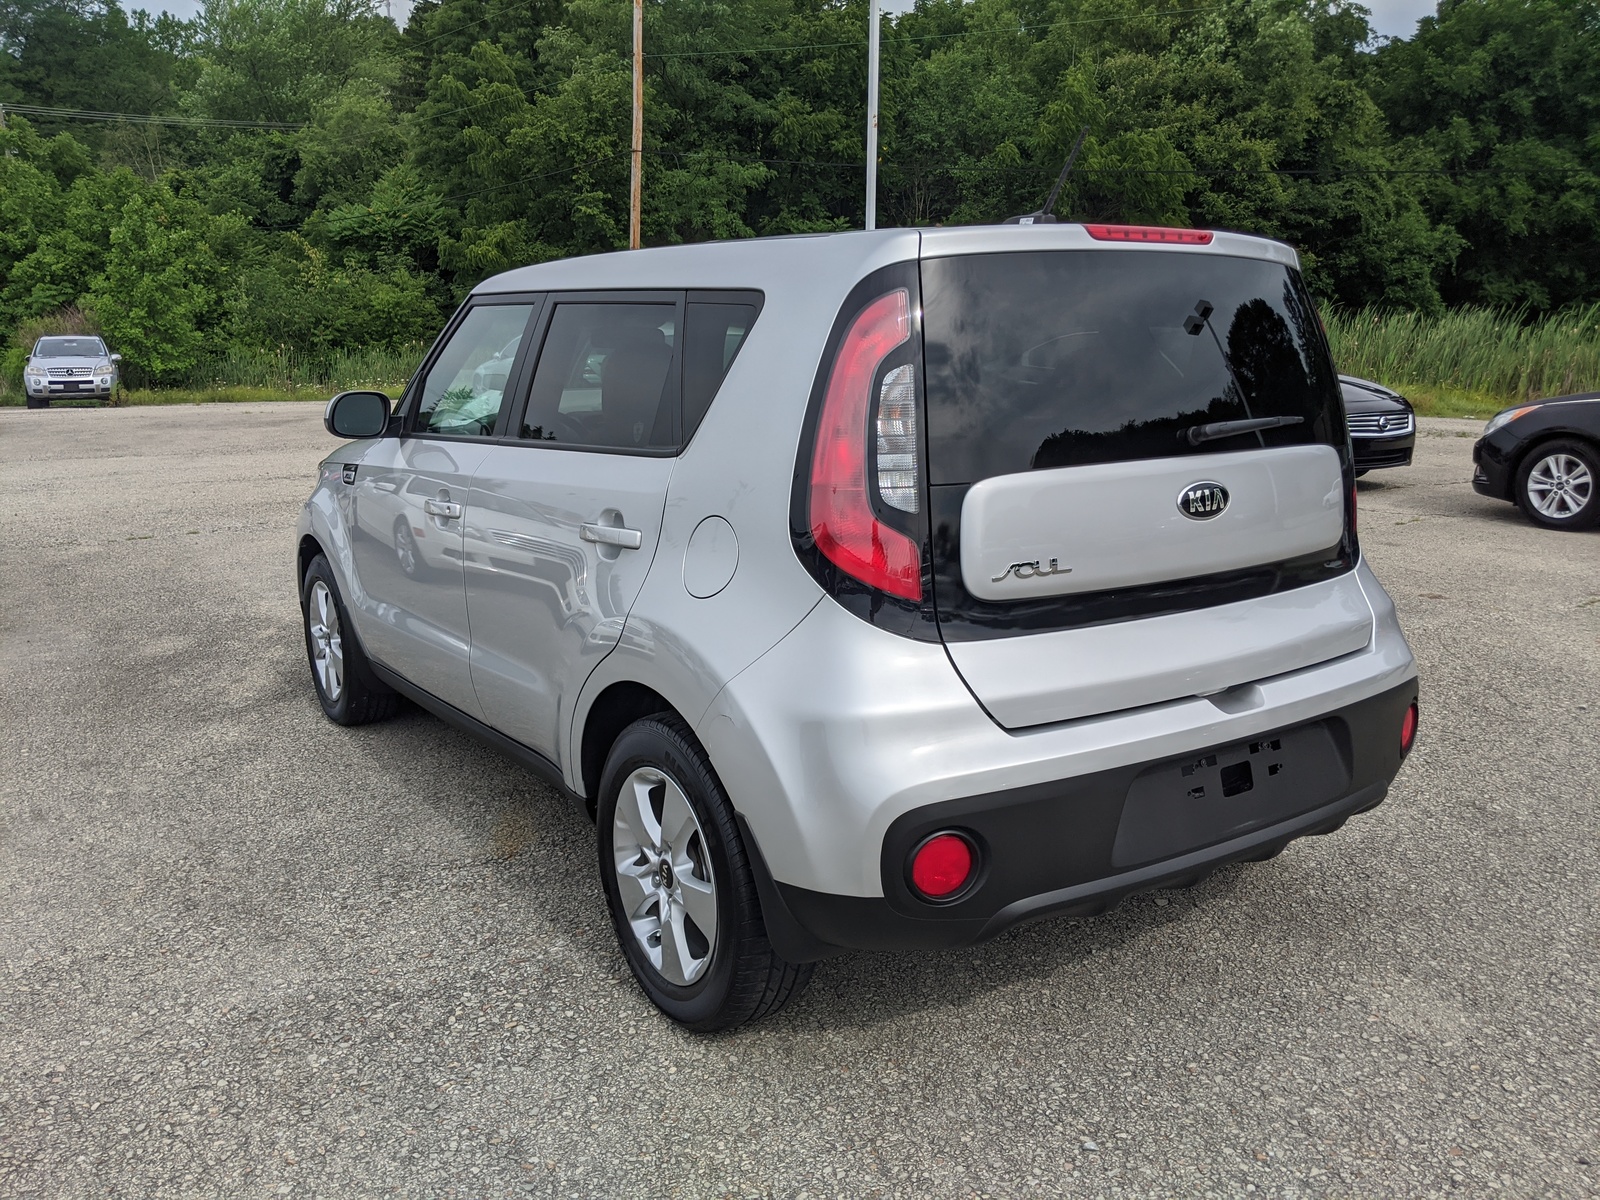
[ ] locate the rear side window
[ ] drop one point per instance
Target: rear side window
(712, 336)
(606, 378)
(1064, 358)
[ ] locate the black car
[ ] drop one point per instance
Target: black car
(1383, 427)
(1545, 458)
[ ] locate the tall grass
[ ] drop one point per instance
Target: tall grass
(289, 370)
(1490, 352)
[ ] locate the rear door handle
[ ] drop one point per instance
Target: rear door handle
(611, 535)
(448, 509)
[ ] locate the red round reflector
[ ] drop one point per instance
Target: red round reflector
(942, 865)
(1408, 730)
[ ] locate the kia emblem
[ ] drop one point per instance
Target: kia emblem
(1202, 501)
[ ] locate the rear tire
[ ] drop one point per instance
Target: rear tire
(690, 926)
(347, 689)
(1558, 485)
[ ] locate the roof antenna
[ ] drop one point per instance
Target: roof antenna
(1045, 216)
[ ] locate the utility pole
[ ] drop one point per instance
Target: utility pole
(872, 114)
(635, 187)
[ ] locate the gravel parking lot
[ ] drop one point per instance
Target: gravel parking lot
(247, 952)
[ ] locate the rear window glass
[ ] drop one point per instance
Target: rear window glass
(1065, 358)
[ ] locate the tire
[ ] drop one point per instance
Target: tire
(406, 551)
(350, 694)
(1558, 484)
(705, 979)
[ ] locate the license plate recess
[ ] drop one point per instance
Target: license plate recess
(1196, 801)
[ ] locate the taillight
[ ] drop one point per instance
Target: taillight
(1150, 233)
(842, 520)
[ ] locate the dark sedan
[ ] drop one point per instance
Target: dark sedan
(1545, 458)
(1383, 428)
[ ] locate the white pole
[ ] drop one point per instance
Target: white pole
(636, 181)
(872, 116)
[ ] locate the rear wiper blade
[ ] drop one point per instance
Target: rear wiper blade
(1196, 434)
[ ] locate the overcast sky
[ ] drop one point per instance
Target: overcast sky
(1391, 18)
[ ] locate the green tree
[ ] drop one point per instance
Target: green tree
(1500, 99)
(277, 60)
(157, 290)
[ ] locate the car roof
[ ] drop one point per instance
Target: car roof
(832, 261)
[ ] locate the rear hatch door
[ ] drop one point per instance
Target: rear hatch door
(1139, 476)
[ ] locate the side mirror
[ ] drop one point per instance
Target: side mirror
(116, 358)
(357, 414)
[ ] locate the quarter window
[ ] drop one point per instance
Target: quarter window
(713, 334)
(465, 387)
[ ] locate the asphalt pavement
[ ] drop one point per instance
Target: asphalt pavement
(249, 953)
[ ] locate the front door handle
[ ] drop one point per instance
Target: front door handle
(448, 509)
(612, 535)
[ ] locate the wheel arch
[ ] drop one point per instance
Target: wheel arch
(1544, 438)
(309, 548)
(613, 710)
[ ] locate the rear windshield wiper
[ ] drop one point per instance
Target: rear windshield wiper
(1196, 434)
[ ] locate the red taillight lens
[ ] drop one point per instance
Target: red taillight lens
(1408, 730)
(842, 521)
(1150, 233)
(942, 865)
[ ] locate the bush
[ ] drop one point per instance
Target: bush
(64, 321)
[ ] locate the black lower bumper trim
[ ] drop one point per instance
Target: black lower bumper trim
(1370, 454)
(1078, 847)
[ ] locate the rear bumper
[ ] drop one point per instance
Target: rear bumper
(844, 740)
(1078, 846)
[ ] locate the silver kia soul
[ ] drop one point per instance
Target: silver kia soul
(875, 590)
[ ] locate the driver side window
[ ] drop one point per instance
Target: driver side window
(465, 388)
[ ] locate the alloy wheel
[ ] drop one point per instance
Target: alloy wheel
(1560, 486)
(327, 645)
(664, 876)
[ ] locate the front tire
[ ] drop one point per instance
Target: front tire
(1558, 485)
(679, 885)
(347, 689)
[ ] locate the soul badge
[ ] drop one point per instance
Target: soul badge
(1203, 501)
(1032, 570)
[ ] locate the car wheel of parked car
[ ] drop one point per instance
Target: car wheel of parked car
(349, 692)
(1559, 485)
(405, 546)
(679, 884)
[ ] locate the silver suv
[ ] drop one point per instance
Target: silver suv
(74, 366)
(875, 590)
